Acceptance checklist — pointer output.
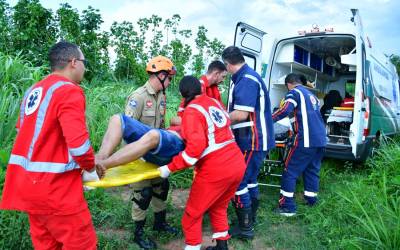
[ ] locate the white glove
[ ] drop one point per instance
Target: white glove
(90, 176)
(164, 171)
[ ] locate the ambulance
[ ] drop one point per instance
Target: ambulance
(358, 88)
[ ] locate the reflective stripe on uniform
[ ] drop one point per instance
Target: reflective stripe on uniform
(219, 235)
(304, 118)
(45, 167)
(252, 185)
(243, 124)
(310, 194)
(78, 151)
(287, 194)
(262, 110)
(210, 124)
(230, 96)
(42, 114)
(243, 108)
(188, 159)
(196, 247)
(215, 147)
(292, 101)
(242, 191)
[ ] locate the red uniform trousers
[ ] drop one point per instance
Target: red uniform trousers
(212, 191)
(73, 231)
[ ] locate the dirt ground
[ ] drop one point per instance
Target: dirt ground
(178, 200)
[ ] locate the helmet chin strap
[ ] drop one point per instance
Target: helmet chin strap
(162, 83)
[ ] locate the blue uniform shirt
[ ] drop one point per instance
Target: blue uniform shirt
(308, 126)
(249, 93)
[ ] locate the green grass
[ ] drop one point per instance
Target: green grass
(359, 205)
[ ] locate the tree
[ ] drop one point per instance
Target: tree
(395, 59)
(5, 25)
(28, 29)
(69, 24)
(128, 47)
(198, 59)
(94, 44)
(157, 37)
(33, 30)
(179, 51)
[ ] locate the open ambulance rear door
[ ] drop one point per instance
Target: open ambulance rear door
(361, 107)
(250, 41)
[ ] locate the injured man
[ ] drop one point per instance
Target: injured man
(156, 146)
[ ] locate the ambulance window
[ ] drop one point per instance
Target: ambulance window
(251, 42)
(364, 70)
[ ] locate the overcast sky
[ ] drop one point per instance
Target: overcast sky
(381, 18)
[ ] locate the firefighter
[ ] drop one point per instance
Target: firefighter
(307, 150)
(51, 148)
(219, 164)
(147, 104)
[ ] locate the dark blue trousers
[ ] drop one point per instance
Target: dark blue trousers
(306, 162)
(248, 188)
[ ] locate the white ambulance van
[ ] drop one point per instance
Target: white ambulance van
(358, 87)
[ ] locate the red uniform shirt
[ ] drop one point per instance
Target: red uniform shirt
(207, 134)
(51, 147)
(211, 91)
(348, 102)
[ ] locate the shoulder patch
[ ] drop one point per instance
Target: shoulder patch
(313, 100)
(33, 100)
(132, 103)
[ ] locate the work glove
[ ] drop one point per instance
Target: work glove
(90, 176)
(164, 171)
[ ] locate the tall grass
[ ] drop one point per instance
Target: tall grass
(102, 102)
(361, 209)
(16, 75)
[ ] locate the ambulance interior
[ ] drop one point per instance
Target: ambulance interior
(329, 64)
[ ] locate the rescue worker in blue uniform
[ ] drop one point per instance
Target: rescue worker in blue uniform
(249, 108)
(307, 150)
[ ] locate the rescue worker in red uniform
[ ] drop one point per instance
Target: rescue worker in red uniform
(215, 75)
(348, 101)
(51, 148)
(219, 164)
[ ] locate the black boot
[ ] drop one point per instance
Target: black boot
(161, 225)
(221, 245)
(255, 203)
(140, 239)
(244, 229)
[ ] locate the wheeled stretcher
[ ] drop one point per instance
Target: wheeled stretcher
(271, 171)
